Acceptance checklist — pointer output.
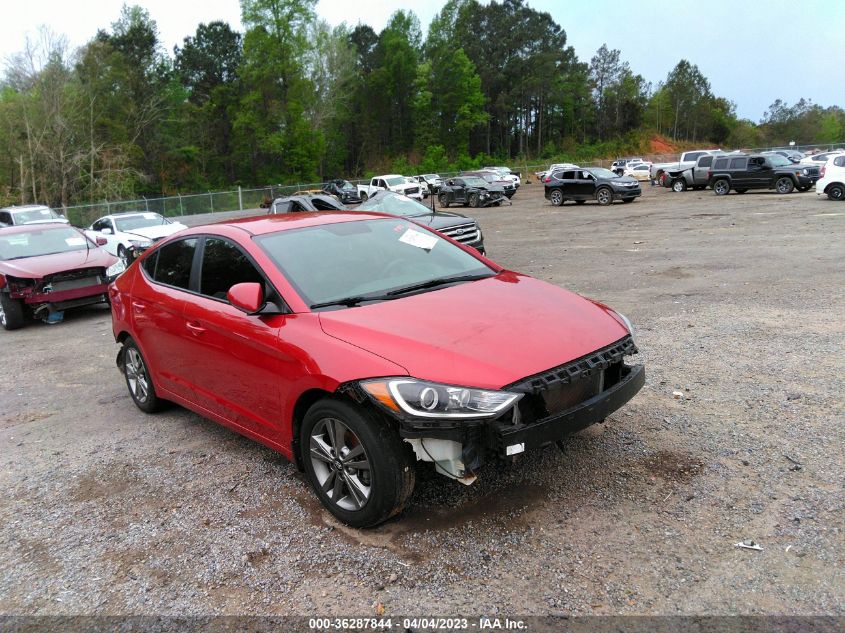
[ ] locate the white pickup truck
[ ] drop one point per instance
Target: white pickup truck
(686, 161)
(391, 182)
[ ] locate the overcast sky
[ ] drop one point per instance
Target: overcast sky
(752, 51)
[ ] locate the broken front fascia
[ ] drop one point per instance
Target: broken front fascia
(456, 445)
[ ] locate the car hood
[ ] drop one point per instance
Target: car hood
(39, 267)
(485, 334)
(441, 220)
(161, 230)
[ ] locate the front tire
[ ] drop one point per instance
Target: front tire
(356, 463)
(836, 192)
(785, 185)
(11, 312)
(138, 379)
(679, 185)
(604, 196)
(556, 197)
(443, 199)
(364, 197)
(473, 200)
(721, 187)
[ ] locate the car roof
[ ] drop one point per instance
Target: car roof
(24, 207)
(123, 214)
(264, 224)
(25, 228)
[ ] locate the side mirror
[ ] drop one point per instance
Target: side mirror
(106, 231)
(101, 241)
(247, 297)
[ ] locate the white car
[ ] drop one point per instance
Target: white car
(422, 183)
(506, 172)
(127, 234)
(433, 181)
(818, 160)
(640, 171)
(832, 181)
(30, 214)
(554, 167)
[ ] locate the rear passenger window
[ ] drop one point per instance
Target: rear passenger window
(173, 265)
(223, 266)
(567, 175)
(738, 163)
(839, 162)
(705, 161)
(721, 163)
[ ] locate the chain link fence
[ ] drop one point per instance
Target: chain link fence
(246, 199)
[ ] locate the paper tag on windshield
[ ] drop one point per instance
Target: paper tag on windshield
(75, 241)
(420, 240)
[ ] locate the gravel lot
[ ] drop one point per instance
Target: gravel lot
(738, 304)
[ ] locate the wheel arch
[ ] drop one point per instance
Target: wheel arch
(305, 401)
(832, 184)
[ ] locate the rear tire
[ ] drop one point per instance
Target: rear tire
(138, 379)
(356, 462)
(604, 196)
(556, 197)
(721, 187)
(785, 185)
(11, 312)
(836, 192)
(443, 199)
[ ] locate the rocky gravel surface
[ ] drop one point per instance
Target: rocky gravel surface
(738, 305)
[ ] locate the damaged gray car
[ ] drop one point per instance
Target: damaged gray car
(471, 191)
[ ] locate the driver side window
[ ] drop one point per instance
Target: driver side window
(223, 266)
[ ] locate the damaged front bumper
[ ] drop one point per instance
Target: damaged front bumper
(555, 404)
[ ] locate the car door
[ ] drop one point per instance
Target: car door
(740, 176)
(238, 363)
(701, 171)
(459, 191)
(157, 312)
(759, 172)
(568, 184)
(585, 185)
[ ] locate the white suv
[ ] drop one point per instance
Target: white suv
(832, 181)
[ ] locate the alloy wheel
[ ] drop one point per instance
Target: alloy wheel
(136, 375)
(340, 464)
(603, 196)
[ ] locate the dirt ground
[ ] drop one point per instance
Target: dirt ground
(738, 304)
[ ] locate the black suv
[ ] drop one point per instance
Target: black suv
(593, 183)
(459, 227)
(758, 171)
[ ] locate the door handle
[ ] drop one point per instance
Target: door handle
(194, 328)
(139, 306)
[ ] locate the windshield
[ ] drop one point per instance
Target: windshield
(38, 242)
(392, 182)
(368, 257)
(394, 204)
(140, 221)
(600, 172)
(35, 215)
(779, 161)
(475, 181)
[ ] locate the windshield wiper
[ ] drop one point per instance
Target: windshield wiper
(351, 301)
(440, 281)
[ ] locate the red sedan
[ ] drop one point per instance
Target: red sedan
(46, 269)
(357, 344)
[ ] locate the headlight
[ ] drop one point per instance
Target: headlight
(433, 400)
(115, 269)
(141, 243)
(805, 171)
